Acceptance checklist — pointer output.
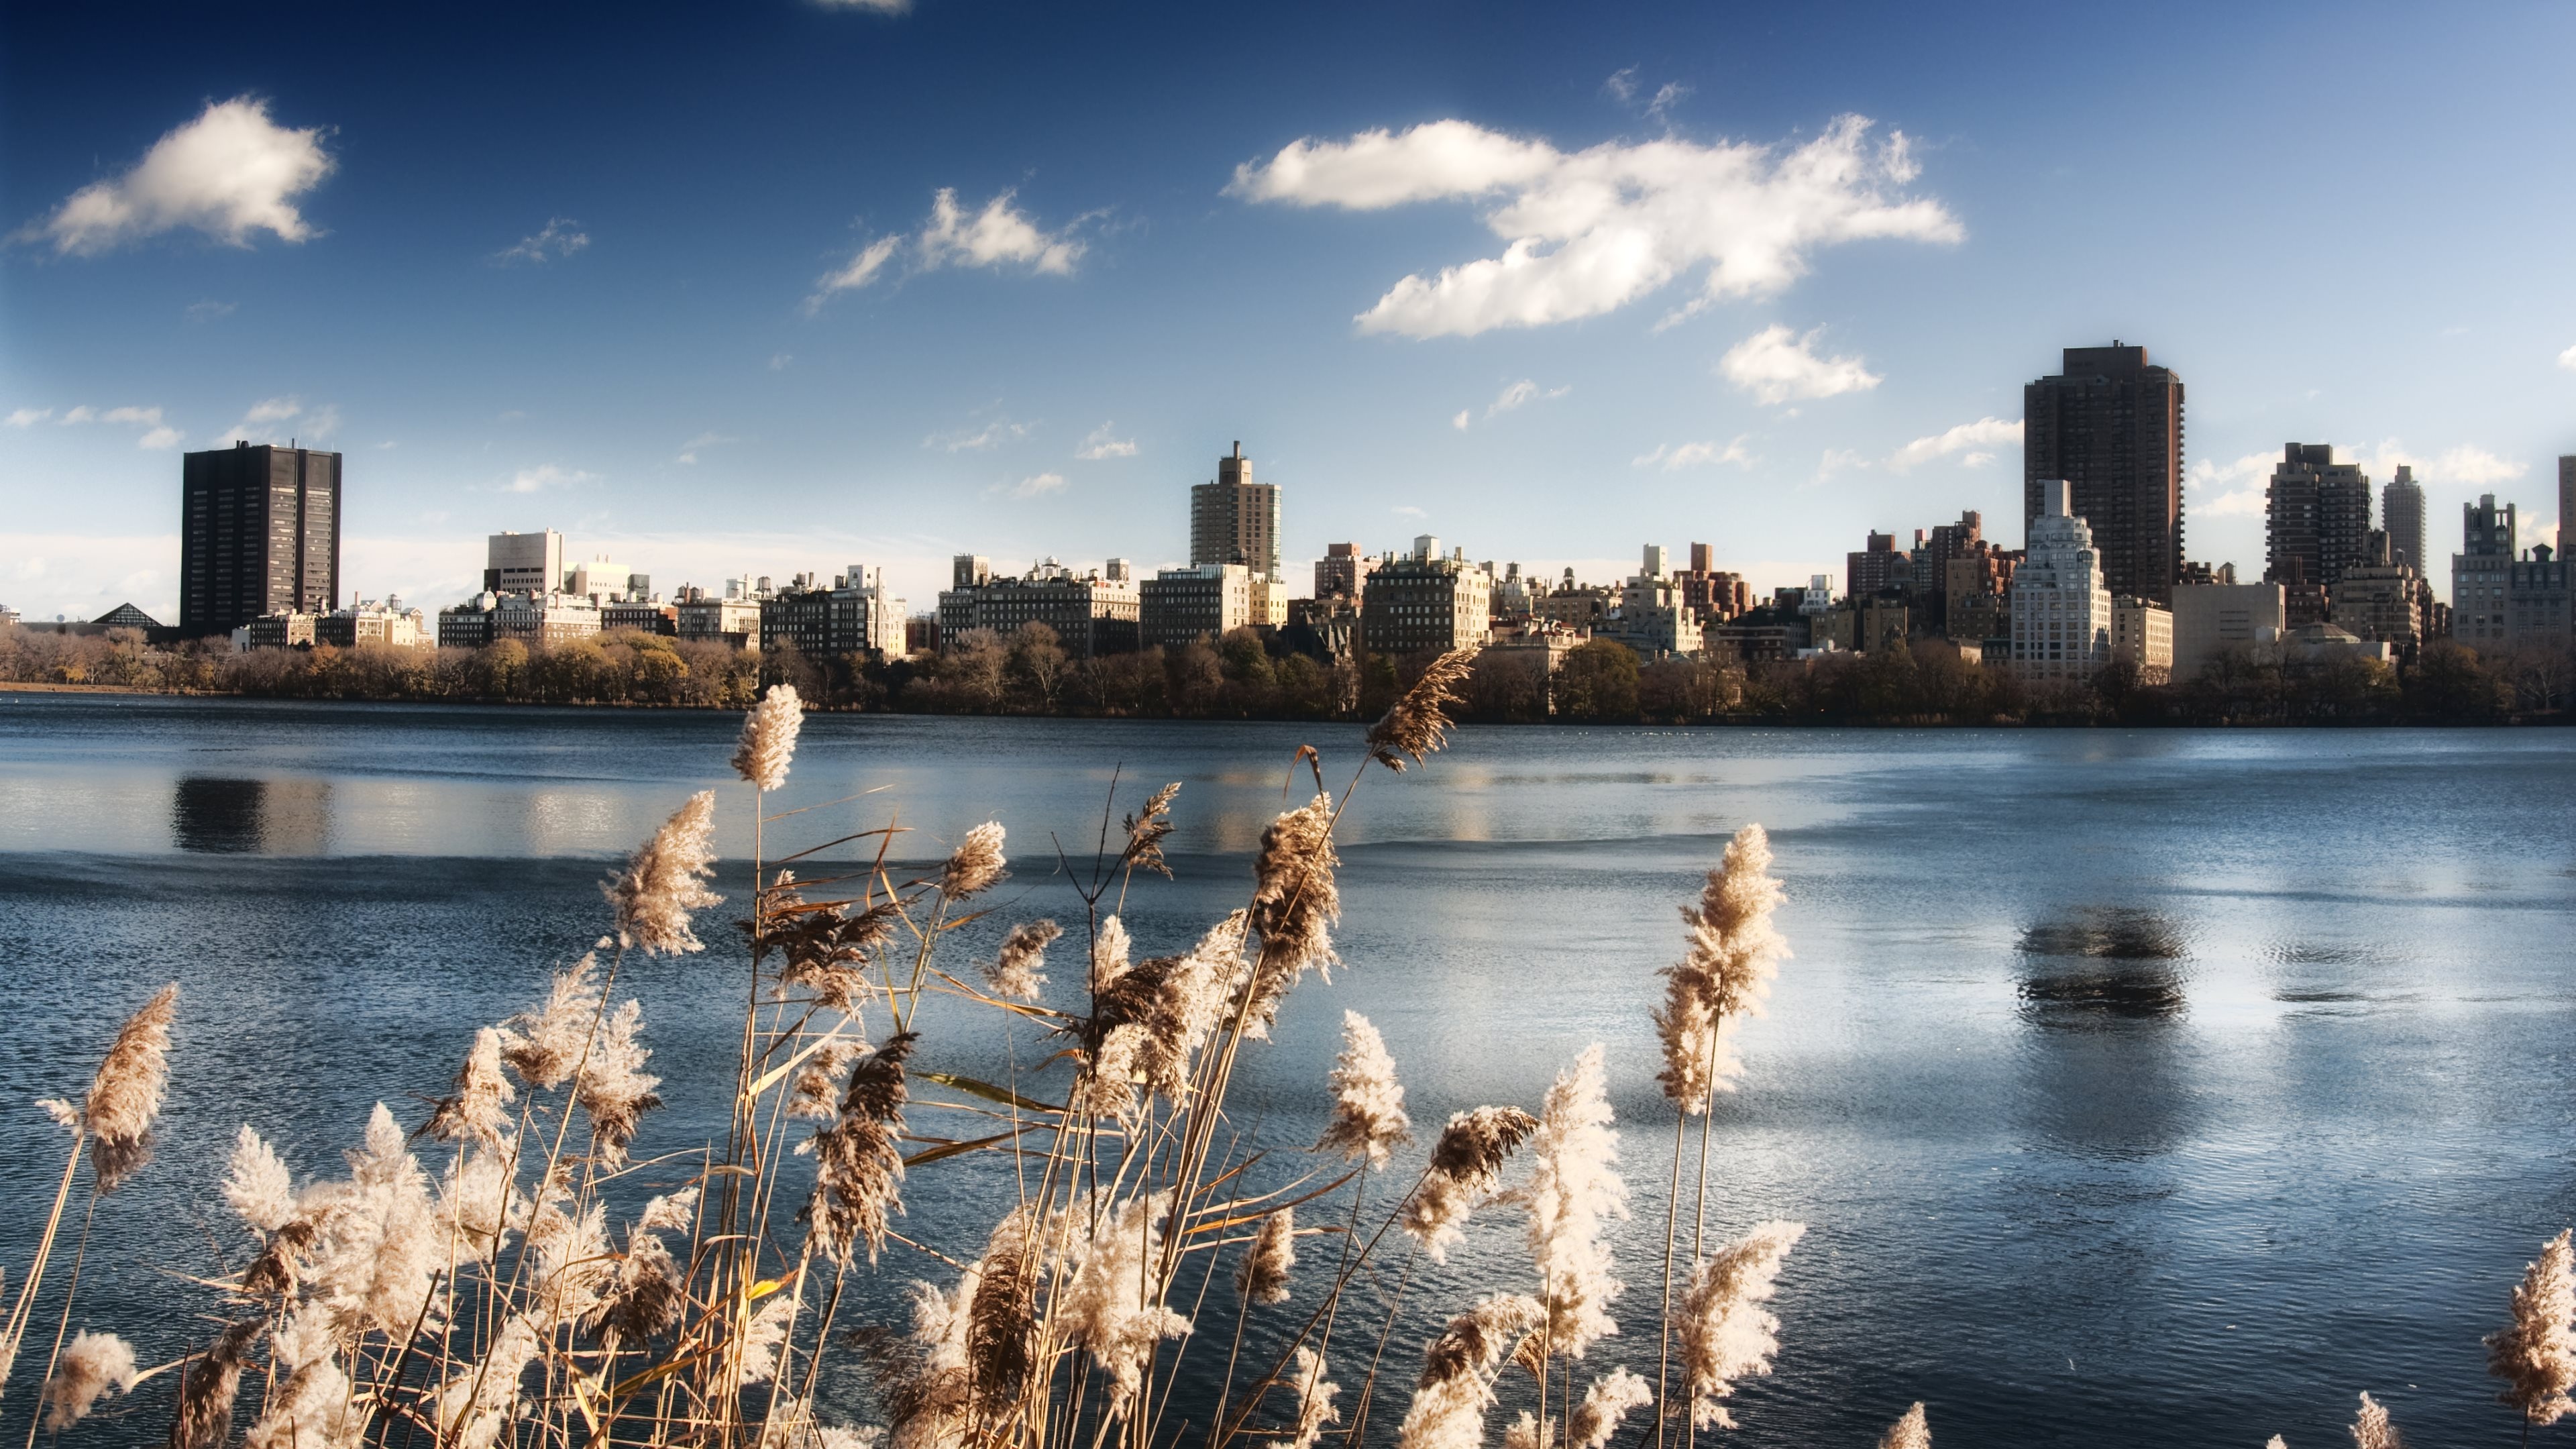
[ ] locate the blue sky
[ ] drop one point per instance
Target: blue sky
(1610, 275)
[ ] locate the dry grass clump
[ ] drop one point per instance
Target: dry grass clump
(521, 1266)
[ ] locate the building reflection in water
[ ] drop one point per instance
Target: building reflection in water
(213, 814)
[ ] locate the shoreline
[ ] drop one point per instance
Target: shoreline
(1713, 722)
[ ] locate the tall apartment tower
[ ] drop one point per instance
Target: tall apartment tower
(1235, 520)
(2110, 425)
(2566, 501)
(2317, 512)
(259, 533)
(2061, 608)
(2401, 512)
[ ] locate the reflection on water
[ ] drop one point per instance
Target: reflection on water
(224, 815)
(2102, 965)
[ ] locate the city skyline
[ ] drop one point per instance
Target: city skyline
(1019, 326)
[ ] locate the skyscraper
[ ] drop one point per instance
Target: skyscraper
(2317, 512)
(1235, 520)
(259, 533)
(2110, 425)
(2481, 572)
(2566, 500)
(2061, 610)
(2401, 512)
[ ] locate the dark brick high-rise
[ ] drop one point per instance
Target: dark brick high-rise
(2111, 425)
(259, 533)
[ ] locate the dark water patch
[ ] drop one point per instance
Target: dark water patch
(2089, 998)
(2114, 933)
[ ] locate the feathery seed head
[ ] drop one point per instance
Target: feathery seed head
(858, 1159)
(1734, 954)
(817, 1091)
(1295, 903)
(613, 1090)
(479, 1110)
(2535, 1354)
(1368, 1121)
(125, 1095)
(975, 864)
(1315, 1397)
(544, 1046)
(1465, 1164)
(1263, 1277)
(1725, 1332)
(661, 883)
(1915, 1432)
(1147, 831)
(1606, 1401)
(258, 1187)
(768, 739)
(1417, 724)
(2371, 1428)
(1458, 1369)
(1110, 1307)
(1574, 1188)
(1018, 973)
(93, 1364)
(209, 1384)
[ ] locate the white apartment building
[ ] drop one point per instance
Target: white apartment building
(2061, 608)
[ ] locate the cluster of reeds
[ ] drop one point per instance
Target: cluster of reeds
(497, 1274)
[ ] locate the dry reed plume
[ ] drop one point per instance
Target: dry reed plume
(768, 741)
(492, 1278)
(1914, 1431)
(2371, 1428)
(2536, 1353)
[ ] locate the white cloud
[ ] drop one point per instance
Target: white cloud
(1589, 232)
(1461, 418)
(1837, 460)
(1969, 438)
(1673, 457)
(561, 237)
(156, 434)
(1407, 510)
(778, 361)
(2466, 464)
(1622, 85)
(1101, 443)
(2567, 359)
(1031, 487)
(2234, 489)
(976, 440)
(873, 7)
(268, 422)
(690, 449)
(547, 475)
(1777, 366)
(228, 173)
(1523, 393)
(209, 311)
(999, 235)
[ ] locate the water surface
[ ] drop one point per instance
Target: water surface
(2161, 1086)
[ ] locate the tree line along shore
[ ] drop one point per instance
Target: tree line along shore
(1241, 676)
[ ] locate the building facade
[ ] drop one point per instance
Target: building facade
(854, 616)
(729, 620)
(1206, 601)
(522, 563)
(2142, 634)
(2316, 517)
(2481, 572)
(2211, 619)
(259, 533)
(1235, 520)
(1091, 613)
(2061, 605)
(1341, 572)
(1881, 565)
(367, 623)
(2383, 600)
(2401, 514)
(2110, 424)
(1424, 601)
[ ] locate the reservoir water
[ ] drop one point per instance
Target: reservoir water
(2159, 1087)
